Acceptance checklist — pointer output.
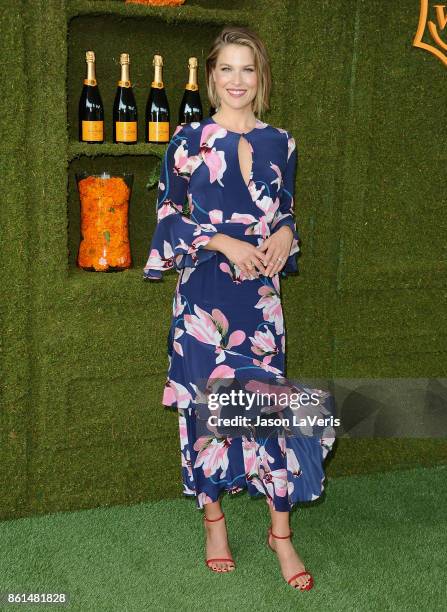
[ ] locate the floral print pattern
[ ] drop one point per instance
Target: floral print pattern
(224, 322)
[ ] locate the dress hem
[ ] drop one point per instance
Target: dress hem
(257, 495)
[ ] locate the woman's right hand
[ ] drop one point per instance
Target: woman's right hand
(246, 256)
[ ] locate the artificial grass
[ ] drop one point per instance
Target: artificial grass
(373, 542)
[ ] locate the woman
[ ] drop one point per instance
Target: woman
(237, 175)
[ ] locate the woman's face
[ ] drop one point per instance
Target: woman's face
(235, 76)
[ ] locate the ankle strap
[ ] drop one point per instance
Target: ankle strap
(216, 519)
(282, 537)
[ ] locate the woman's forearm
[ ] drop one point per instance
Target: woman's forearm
(217, 242)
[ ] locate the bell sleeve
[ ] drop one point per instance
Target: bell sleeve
(177, 241)
(285, 212)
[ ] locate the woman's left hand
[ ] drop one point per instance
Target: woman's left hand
(277, 247)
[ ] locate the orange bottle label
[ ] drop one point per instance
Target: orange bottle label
(93, 130)
(158, 131)
(126, 131)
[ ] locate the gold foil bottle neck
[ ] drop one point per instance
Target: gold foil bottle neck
(192, 85)
(124, 59)
(157, 61)
(158, 73)
(91, 72)
(125, 71)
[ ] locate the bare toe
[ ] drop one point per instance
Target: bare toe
(301, 582)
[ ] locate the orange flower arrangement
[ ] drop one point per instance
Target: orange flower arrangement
(157, 2)
(104, 223)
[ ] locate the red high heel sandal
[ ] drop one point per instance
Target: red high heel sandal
(208, 561)
(307, 586)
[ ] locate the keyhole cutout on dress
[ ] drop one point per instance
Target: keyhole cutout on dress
(245, 159)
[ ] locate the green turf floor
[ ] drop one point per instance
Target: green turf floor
(374, 542)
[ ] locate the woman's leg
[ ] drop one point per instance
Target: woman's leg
(216, 538)
(288, 557)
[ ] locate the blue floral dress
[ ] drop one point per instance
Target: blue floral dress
(223, 322)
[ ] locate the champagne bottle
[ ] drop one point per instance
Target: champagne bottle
(157, 107)
(91, 110)
(125, 115)
(191, 105)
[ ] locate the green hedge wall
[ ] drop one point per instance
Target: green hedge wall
(84, 355)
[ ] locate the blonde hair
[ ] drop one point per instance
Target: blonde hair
(241, 36)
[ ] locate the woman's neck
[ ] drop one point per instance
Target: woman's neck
(235, 123)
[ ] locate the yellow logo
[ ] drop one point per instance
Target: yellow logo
(433, 17)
